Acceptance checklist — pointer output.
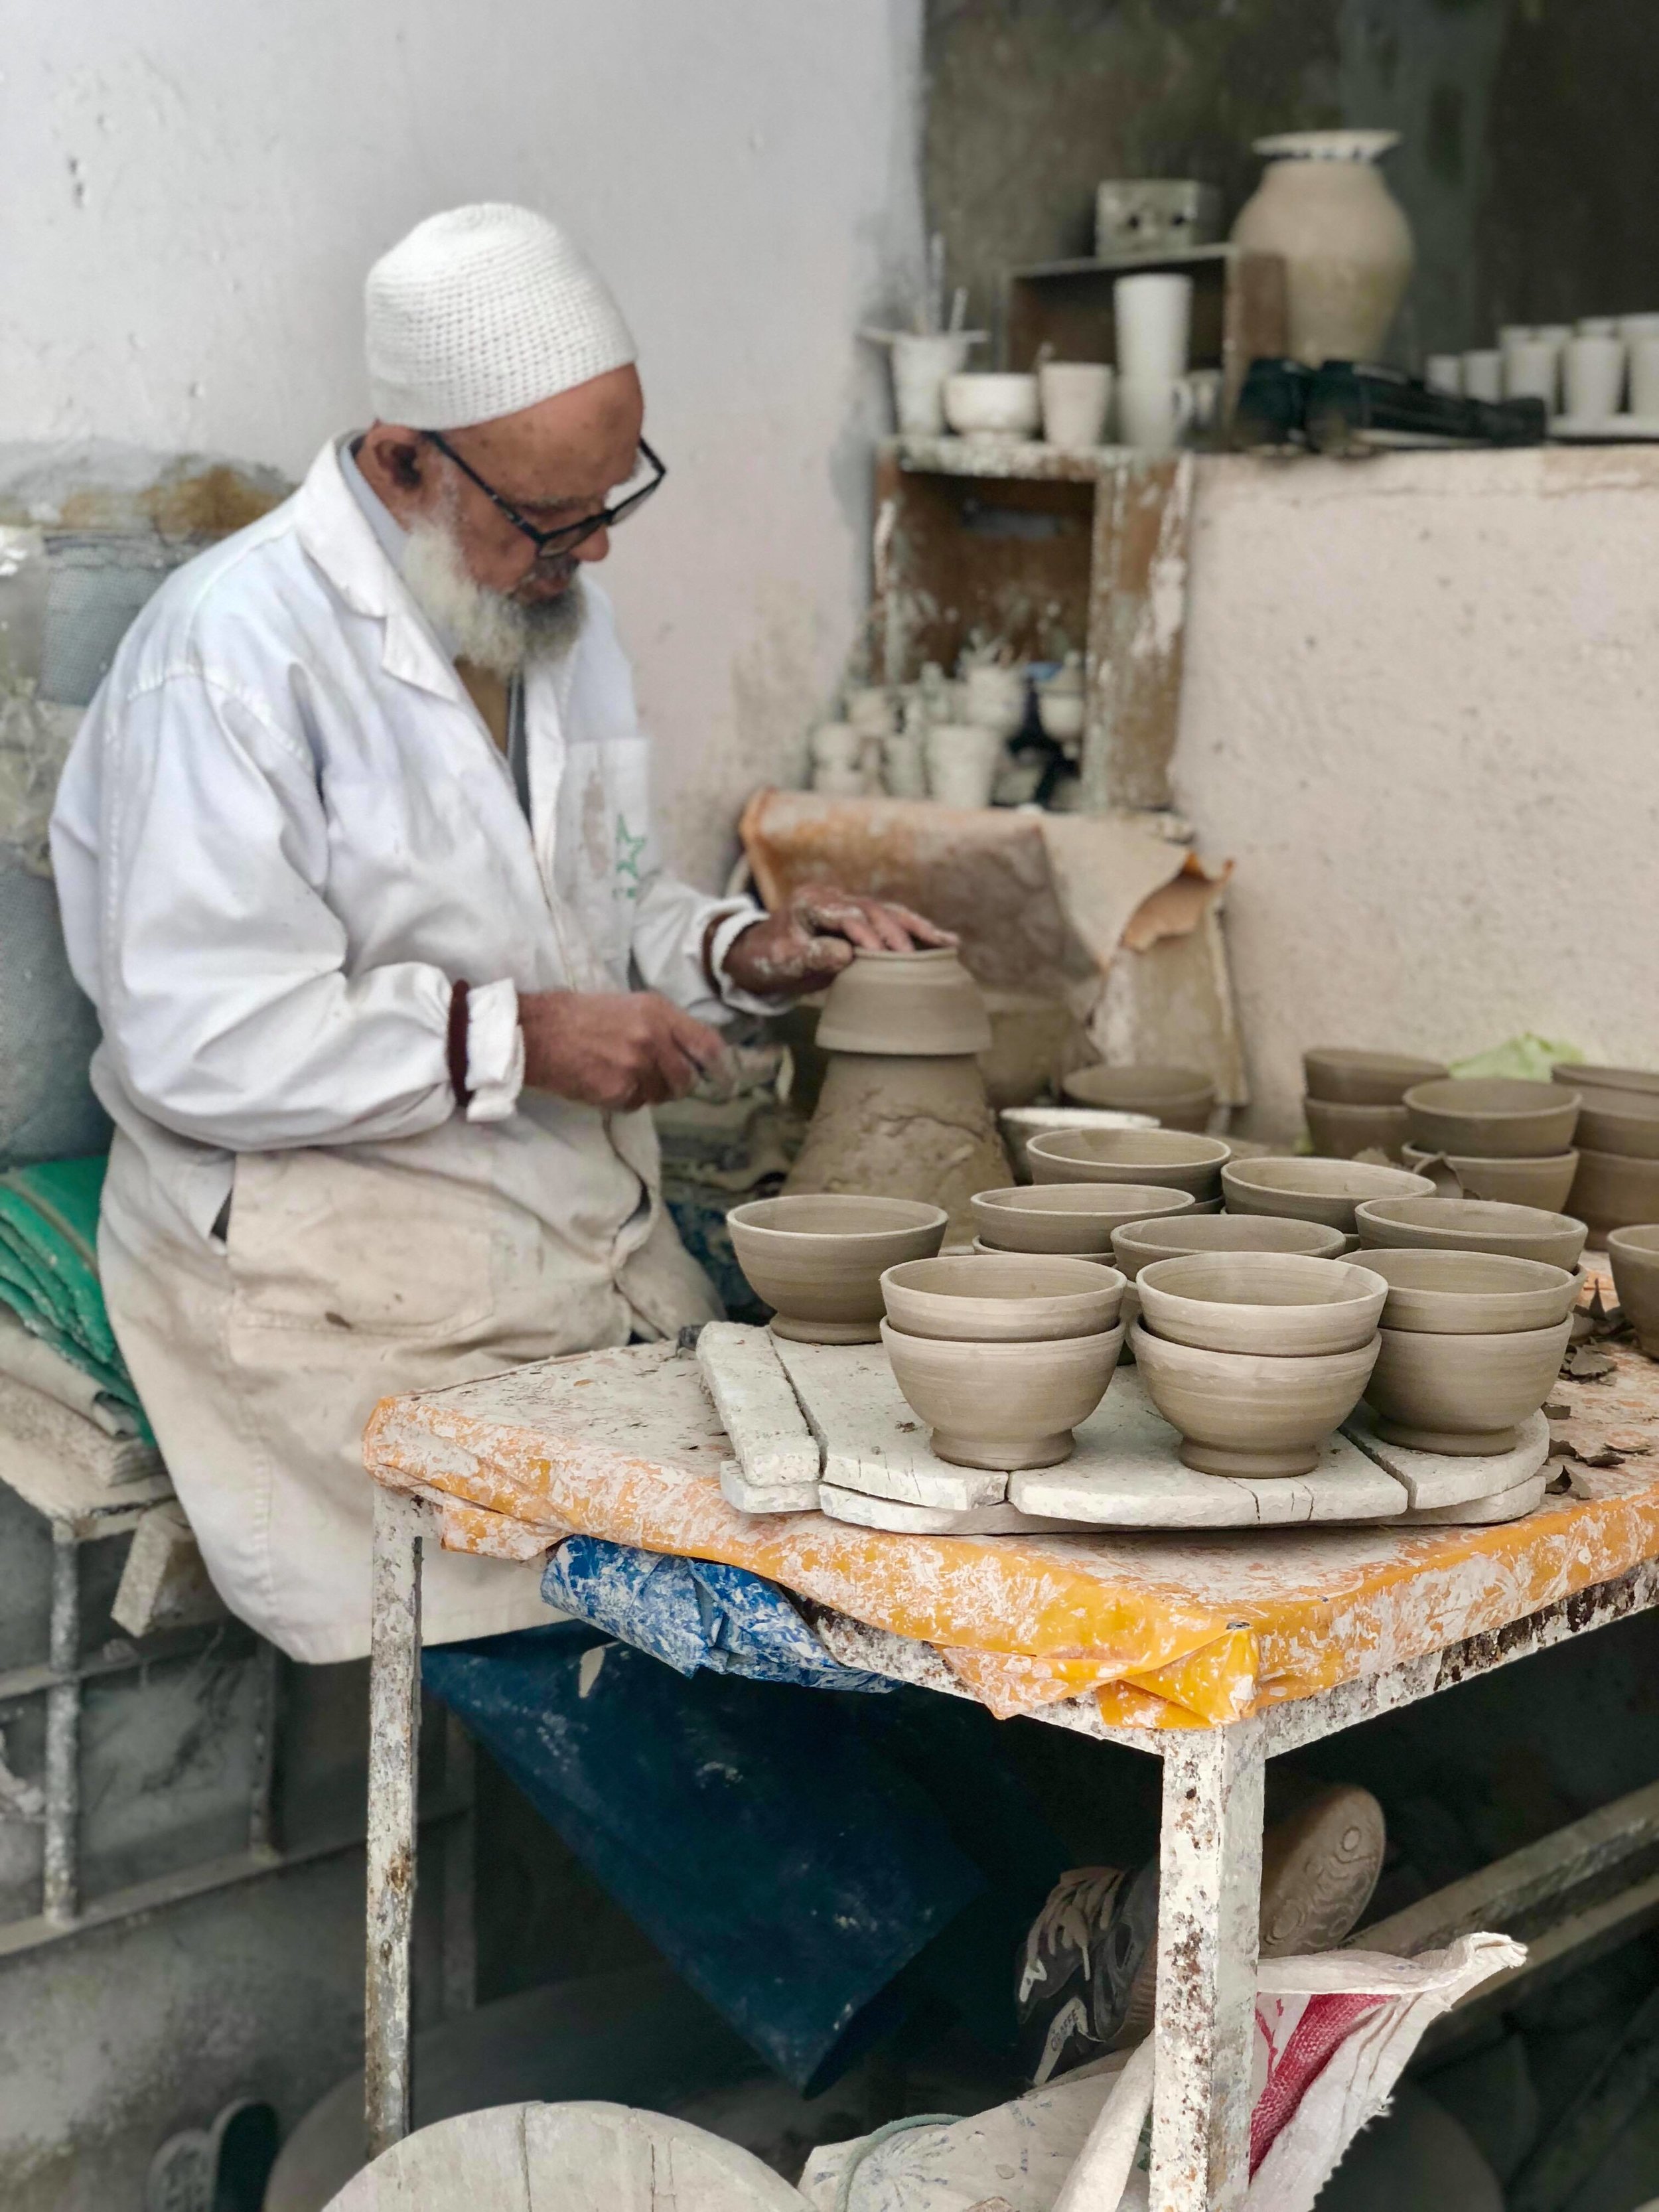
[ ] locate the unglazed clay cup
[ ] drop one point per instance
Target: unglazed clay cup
(1588, 1075)
(1002, 1297)
(1491, 1116)
(1139, 1244)
(1179, 1097)
(1623, 1122)
(1610, 1192)
(1346, 1078)
(818, 1258)
(1247, 1413)
(918, 1003)
(1634, 1253)
(1164, 1157)
(1442, 1293)
(1463, 1395)
(1021, 1123)
(1471, 1225)
(1003, 1405)
(1068, 1217)
(1326, 1191)
(1543, 1182)
(1282, 1303)
(1340, 1132)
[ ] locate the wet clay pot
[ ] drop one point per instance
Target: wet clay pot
(1463, 1395)
(1139, 1243)
(1442, 1293)
(1283, 1303)
(1245, 1413)
(1003, 1405)
(1002, 1297)
(1543, 1182)
(1363, 1079)
(1625, 1122)
(1326, 1191)
(1068, 1217)
(1491, 1116)
(1179, 1097)
(1339, 1133)
(905, 1128)
(1473, 1225)
(1166, 1157)
(819, 1259)
(904, 1003)
(1611, 1193)
(1020, 1124)
(1634, 1253)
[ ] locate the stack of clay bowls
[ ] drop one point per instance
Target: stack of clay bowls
(819, 1258)
(1178, 1097)
(1617, 1185)
(1470, 1224)
(1502, 1137)
(1352, 1102)
(1471, 1345)
(1021, 1123)
(1635, 1256)
(1079, 1219)
(1325, 1191)
(1002, 1354)
(1168, 1158)
(1255, 1356)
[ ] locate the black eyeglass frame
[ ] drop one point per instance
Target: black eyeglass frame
(568, 535)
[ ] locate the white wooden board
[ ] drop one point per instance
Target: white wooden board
(777, 1461)
(889, 1513)
(1435, 1479)
(872, 1440)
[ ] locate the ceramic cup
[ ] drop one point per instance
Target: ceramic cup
(1154, 316)
(1511, 335)
(993, 697)
(1593, 375)
(1644, 375)
(1597, 326)
(871, 710)
(836, 745)
(1483, 373)
(903, 767)
(1632, 327)
(962, 763)
(1531, 371)
(1076, 396)
(921, 366)
(1153, 413)
(1443, 372)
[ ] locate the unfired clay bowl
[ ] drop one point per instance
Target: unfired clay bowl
(1340, 1132)
(910, 1003)
(1588, 1076)
(1139, 1243)
(1634, 1253)
(1170, 1157)
(1462, 1395)
(1622, 1121)
(1100, 1259)
(1280, 1303)
(1473, 1225)
(1245, 1413)
(1021, 1123)
(1315, 1190)
(1002, 1297)
(1179, 1097)
(1543, 1182)
(1068, 1217)
(1003, 1405)
(819, 1257)
(1365, 1079)
(1609, 1192)
(1470, 1293)
(1494, 1116)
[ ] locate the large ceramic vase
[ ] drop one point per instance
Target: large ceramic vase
(903, 1112)
(1323, 206)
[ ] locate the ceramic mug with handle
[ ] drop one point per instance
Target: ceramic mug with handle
(1153, 413)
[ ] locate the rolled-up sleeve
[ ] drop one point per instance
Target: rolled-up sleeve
(672, 930)
(221, 975)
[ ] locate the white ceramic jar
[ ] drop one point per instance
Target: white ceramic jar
(1323, 206)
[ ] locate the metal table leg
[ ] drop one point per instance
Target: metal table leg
(1209, 1903)
(394, 1734)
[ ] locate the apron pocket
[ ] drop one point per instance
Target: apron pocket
(329, 1241)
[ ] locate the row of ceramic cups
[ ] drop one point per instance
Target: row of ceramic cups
(1605, 366)
(1077, 404)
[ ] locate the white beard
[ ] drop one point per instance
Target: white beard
(489, 628)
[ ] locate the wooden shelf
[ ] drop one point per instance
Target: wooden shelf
(1015, 462)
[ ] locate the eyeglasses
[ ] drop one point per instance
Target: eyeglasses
(568, 535)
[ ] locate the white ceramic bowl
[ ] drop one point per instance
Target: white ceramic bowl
(991, 404)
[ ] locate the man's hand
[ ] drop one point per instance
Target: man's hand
(806, 944)
(617, 1049)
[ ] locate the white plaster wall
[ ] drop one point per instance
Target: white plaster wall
(193, 191)
(1421, 713)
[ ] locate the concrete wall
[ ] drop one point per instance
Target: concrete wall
(1419, 712)
(192, 192)
(1528, 134)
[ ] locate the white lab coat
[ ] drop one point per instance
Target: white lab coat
(283, 834)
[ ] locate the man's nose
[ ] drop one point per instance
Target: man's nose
(594, 548)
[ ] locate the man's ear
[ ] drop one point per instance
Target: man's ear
(398, 453)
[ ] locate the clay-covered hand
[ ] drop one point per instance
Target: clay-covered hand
(617, 1049)
(805, 945)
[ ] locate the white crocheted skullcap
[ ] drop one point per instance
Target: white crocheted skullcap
(481, 312)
